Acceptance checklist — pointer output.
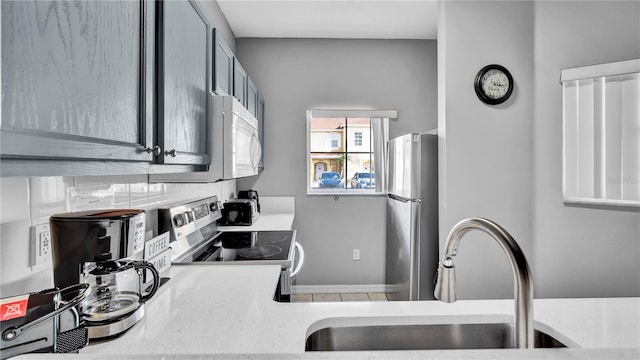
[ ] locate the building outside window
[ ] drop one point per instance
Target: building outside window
(345, 151)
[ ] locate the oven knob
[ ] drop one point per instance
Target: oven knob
(179, 220)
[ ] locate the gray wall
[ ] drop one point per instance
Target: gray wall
(485, 151)
(295, 75)
(505, 162)
(579, 251)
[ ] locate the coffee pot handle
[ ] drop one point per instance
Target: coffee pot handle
(156, 279)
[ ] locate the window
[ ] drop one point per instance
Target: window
(357, 138)
(335, 140)
(345, 151)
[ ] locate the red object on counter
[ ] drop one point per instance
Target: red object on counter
(14, 307)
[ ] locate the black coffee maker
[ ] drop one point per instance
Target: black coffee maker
(104, 248)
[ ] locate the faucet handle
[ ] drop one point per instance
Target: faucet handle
(445, 289)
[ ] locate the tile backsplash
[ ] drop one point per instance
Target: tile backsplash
(29, 201)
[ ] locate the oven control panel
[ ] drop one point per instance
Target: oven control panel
(186, 219)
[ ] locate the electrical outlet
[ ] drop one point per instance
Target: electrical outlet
(356, 254)
(40, 244)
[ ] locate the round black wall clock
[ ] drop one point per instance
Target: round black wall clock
(493, 84)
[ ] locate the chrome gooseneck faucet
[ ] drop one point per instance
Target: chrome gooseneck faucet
(445, 289)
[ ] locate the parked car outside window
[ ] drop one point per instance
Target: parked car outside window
(363, 180)
(330, 179)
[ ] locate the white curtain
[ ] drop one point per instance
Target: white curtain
(380, 134)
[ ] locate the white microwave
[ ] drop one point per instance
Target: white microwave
(235, 146)
(241, 148)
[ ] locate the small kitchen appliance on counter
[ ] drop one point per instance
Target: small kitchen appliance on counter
(103, 248)
(242, 212)
(195, 239)
(251, 195)
(47, 321)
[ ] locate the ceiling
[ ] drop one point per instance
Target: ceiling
(338, 19)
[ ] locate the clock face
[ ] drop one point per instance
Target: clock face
(493, 84)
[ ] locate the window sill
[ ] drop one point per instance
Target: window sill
(345, 193)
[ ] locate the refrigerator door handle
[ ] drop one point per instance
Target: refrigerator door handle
(402, 199)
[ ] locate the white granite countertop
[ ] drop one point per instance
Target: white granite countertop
(209, 311)
(227, 312)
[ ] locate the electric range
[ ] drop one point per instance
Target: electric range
(259, 247)
(195, 240)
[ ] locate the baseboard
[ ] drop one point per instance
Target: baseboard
(323, 289)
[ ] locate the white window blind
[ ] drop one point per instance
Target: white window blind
(601, 124)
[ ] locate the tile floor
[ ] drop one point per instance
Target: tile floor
(339, 297)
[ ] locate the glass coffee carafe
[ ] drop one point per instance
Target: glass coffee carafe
(115, 289)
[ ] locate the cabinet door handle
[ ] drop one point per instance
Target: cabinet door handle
(156, 150)
(171, 153)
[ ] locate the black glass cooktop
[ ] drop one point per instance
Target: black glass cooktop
(247, 246)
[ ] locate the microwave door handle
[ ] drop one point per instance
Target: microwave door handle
(256, 151)
(259, 146)
(253, 151)
(299, 260)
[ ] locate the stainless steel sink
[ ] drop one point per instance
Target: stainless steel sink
(421, 337)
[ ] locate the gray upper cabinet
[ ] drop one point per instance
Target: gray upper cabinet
(223, 78)
(73, 83)
(239, 82)
(184, 83)
(252, 97)
(104, 87)
(230, 78)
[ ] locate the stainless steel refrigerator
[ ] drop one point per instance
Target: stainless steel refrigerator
(412, 216)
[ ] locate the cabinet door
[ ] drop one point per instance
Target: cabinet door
(183, 62)
(73, 82)
(252, 97)
(261, 129)
(239, 82)
(223, 78)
